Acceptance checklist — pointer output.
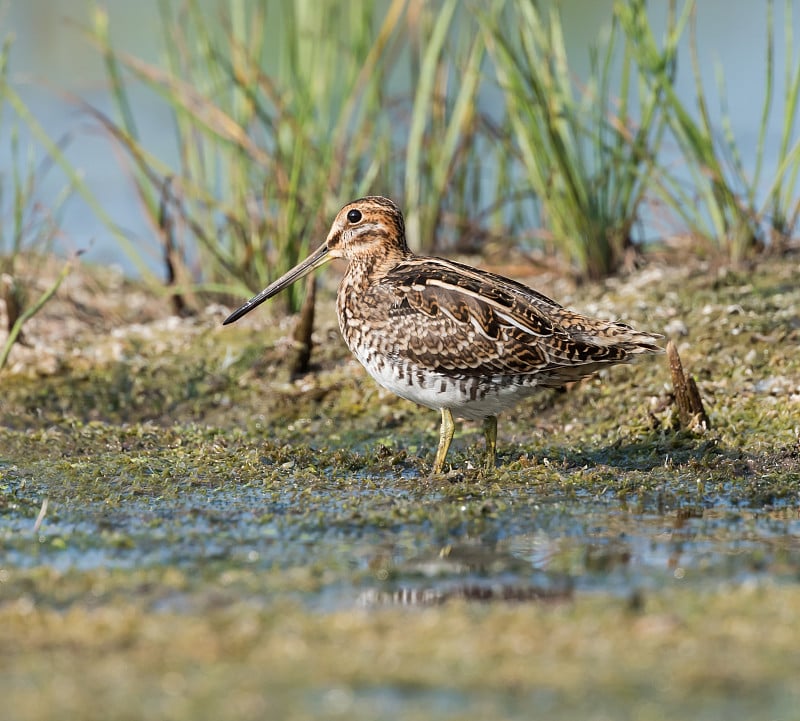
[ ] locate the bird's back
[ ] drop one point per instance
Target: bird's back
(439, 332)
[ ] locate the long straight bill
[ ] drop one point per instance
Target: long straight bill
(315, 260)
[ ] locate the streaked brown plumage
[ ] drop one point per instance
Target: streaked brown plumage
(448, 336)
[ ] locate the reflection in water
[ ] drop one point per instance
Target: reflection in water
(471, 571)
(433, 596)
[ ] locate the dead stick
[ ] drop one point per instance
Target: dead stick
(691, 412)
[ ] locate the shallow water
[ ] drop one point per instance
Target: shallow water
(370, 548)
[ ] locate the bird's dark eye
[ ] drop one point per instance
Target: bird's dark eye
(354, 215)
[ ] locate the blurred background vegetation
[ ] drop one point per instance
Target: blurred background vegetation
(245, 125)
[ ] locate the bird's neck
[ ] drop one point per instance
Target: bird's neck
(368, 270)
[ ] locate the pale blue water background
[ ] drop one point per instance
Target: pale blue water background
(50, 57)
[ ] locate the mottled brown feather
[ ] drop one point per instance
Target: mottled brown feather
(448, 317)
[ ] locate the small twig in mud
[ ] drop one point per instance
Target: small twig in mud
(691, 413)
(171, 253)
(299, 363)
(13, 293)
(40, 517)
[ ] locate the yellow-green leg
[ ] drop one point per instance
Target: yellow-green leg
(490, 432)
(446, 431)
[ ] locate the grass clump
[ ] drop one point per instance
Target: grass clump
(725, 203)
(272, 138)
(583, 155)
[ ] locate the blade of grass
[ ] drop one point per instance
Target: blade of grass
(423, 100)
(31, 311)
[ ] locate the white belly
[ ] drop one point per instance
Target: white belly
(466, 396)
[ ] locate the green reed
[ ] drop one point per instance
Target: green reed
(781, 208)
(721, 203)
(442, 168)
(585, 157)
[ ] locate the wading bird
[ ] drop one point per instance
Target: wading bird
(454, 338)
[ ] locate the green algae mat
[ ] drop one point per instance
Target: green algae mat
(185, 533)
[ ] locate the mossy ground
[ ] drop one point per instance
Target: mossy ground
(219, 542)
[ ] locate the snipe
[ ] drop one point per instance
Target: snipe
(448, 336)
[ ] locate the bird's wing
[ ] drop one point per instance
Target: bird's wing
(455, 319)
